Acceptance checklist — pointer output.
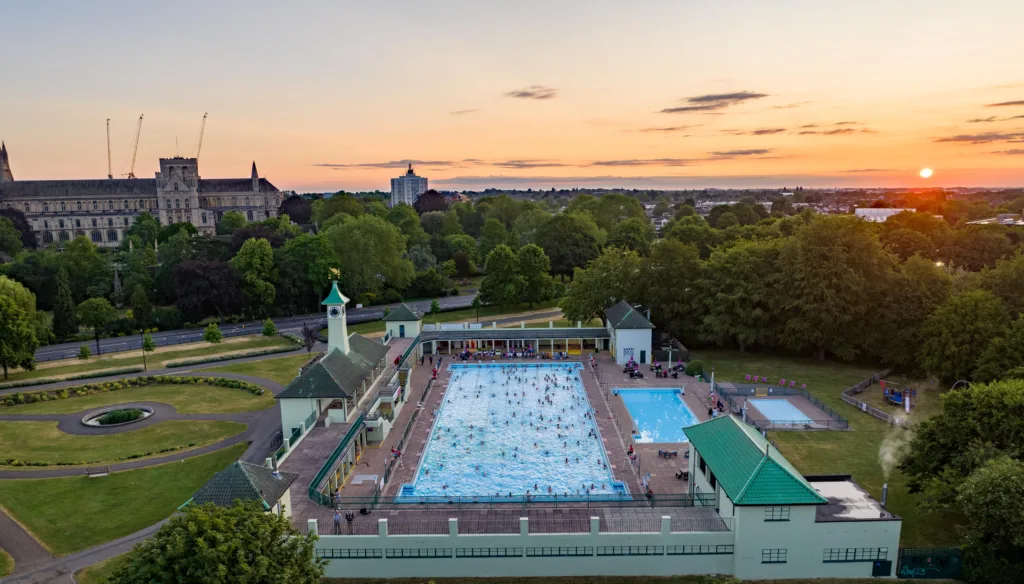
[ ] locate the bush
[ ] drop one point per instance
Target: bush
(166, 319)
(89, 375)
(695, 367)
(269, 328)
(216, 358)
(391, 296)
(84, 352)
(119, 417)
(212, 334)
(427, 284)
(121, 327)
(83, 390)
(454, 292)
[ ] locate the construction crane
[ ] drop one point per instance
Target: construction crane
(135, 148)
(110, 173)
(199, 143)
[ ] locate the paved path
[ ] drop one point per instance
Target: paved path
(72, 423)
(26, 551)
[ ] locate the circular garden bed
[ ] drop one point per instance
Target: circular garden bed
(117, 416)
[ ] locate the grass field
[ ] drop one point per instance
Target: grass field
(854, 452)
(101, 572)
(927, 403)
(280, 369)
(69, 367)
(71, 514)
(186, 398)
(6, 564)
(43, 442)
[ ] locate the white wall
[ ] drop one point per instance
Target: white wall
(635, 339)
(294, 412)
(412, 328)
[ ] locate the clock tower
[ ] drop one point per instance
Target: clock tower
(337, 329)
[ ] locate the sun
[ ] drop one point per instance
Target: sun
(926, 173)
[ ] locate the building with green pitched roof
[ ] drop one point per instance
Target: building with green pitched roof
(248, 482)
(402, 322)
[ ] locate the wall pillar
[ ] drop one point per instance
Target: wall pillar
(311, 526)
(453, 526)
(666, 524)
(382, 527)
(595, 525)
(524, 526)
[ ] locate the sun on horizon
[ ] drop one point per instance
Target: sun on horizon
(926, 173)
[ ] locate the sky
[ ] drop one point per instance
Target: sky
(334, 95)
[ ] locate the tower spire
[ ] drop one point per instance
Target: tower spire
(5, 164)
(255, 178)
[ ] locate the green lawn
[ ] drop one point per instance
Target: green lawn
(154, 361)
(6, 564)
(43, 442)
(853, 452)
(927, 403)
(280, 369)
(186, 398)
(71, 514)
(100, 573)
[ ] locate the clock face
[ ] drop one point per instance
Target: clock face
(334, 312)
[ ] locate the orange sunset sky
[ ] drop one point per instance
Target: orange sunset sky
(655, 94)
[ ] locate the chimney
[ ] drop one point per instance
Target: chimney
(885, 494)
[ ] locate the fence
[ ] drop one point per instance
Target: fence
(847, 396)
(930, 563)
(484, 502)
(314, 487)
(834, 421)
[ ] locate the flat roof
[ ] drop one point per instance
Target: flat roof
(847, 501)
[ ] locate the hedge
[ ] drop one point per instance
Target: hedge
(216, 358)
(16, 462)
(78, 391)
(90, 375)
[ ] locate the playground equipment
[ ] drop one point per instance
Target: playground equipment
(895, 394)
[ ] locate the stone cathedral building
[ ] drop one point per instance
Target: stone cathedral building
(104, 209)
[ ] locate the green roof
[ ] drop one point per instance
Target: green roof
(401, 313)
(749, 470)
(338, 375)
(335, 297)
(624, 316)
(248, 482)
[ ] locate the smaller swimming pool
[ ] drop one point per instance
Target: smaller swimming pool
(779, 410)
(658, 414)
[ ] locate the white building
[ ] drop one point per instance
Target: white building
(630, 333)
(879, 215)
(407, 188)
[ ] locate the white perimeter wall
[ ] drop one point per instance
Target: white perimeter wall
(636, 339)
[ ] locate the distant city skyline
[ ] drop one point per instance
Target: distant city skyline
(329, 96)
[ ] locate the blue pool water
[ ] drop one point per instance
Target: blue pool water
(503, 431)
(779, 410)
(658, 414)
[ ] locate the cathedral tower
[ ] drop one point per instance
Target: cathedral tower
(5, 164)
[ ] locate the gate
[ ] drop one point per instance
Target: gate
(930, 563)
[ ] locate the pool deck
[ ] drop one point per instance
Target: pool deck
(798, 401)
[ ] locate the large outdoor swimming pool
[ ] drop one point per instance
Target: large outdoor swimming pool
(659, 415)
(779, 410)
(508, 431)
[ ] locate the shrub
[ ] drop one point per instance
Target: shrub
(269, 328)
(119, 416)
(695, 367)
(392, 296)
(167, 319)
(454, 292)
(216, 358)
(89, 375)
(212, 334)
(82, 390)
(84, 352)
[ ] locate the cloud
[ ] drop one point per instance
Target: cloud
(846, 123)
(395, 164)
(1013, 152)
(533, 92)
(809, 126)
(791, 105)
(644, 162)
(1019, 102)
(758, 132)
(835, 131)
(463, 112)
(527, 164)
(712, 101)
(984, 138)
(994, 119)
(666, 129)
(734, 153)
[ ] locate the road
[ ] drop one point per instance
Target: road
(284, 324)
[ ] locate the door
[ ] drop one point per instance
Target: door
(643, 356)
(401, 331)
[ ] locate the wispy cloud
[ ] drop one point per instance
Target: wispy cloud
(463, 112)
(835, 131)
(984, 138)
(666, 129)
(736, 153)
(712, 102)
(518, 164)
(808, 126)
(533, 92)
(1017, 103)
(994, 119)
(791, 105)
(757, 132)
(1013, 152)
(847, 123)
(644, 162)
(397, 164)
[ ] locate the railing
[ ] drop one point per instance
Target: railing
(296, 434)
(483, 502)
(310, 422)
(847, 397)
(748, 390)
(314, 487)
(387, 337)
(412, 347)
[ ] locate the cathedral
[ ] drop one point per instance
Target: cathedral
(104, 209)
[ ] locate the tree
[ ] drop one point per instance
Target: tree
(524, 230)
(17, 218)
(727, 220)
(615, 275)
(990, 500)
(26, 301)
(464, 265)
(304, 272)
(502, 284)
(461, 243)
(407, 221)
(435, 307)
(269, 328)
(669, 286)
(907, 242)
(65, 323)
(693, 230)
(206, 288)
(254, 263)
(178, 248)
(371, 253)
(144, 230)
(1004, 354)
(915, 290)
(148, 346)
(740, 294)
(96, 313)
(224, 545)
(84, 352)
(567, 243)
(977, 246)
(421, 257)
(230, 221)
(18, 342)
(430, 201)
(475, 305)
(142, 309)
(10, 238)
(1006, 280)
(212, 334)
(534, 267)
(959, 331)
(298, 208)
(492, 235)
(432, 222)
(310, 337)
(634, 233)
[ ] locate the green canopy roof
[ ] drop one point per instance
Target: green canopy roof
(335, 297)
(749, 470)
(401, 313)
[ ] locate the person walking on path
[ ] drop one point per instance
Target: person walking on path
(337, 522)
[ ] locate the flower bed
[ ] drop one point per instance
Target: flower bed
(217, 358)
(90, 375)
(77, 391)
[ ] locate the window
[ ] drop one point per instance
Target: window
(250, 215)
(95, 205)
(175, 187)
(46, 207)
(94, 222)
(266, 202)
(168, 203)
(488, 552)
(701, 464)
(419, 553)
(698, 550)
(127, 205)
(62, 207)
(79, 204)
(46, 224)
(142, 204)
(204, 218)
(350, 554)
(47, 237)
(711, 479)
(78, 223)
(186, 203)
(630, 550)
(64, 236)
(552, 552)
(26, 208)
(247, 201)
(110, 205)
(110, 222)
(834, 555)
(61, 223)
(776, 513)
(773, 556)
(177, 203)
(97, 237)
(126, 222)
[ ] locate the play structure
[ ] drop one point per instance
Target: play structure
(896, 395)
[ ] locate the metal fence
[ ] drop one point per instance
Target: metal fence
(835, 421)
(849, 393)
(930, 563)
(484, 502)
